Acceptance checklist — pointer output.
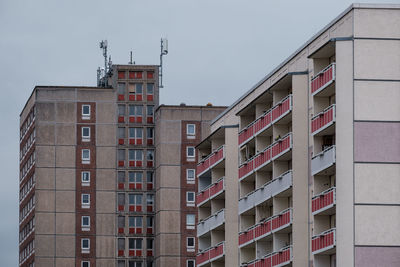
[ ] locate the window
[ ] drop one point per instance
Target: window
(190, 244)
(135, 180)
(190, 221)
(121, 180)
(85, 133)
(121, 247)
(135, 136)
(85, 156)
(190, 176)
(149, 202)
(190, 153)
(85, 222)
(121, 91)
(85, 178)
(86, 112)
(136, 222)
(139, 88)
(150, 113)
(121, 201)
(135, 202)
(121, 264)
(121, 133)
(191, 130)
(85, 200)
(121, 224)
(149, 246)
(150, 88)
(85, 244)
(135, 157)
(149, 224)
(150, 158)
(150, 135)
(190, 199)
(190, 263)
(135, 264)
(135, 247)
(85, 264)
(149, 180)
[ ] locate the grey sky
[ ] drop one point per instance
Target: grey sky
(218, 49)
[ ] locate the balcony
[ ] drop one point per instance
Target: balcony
(281, 222)
(277, 113)
(324, 122)
(210, 161)
(212, 191)
(277, 151)
(322, 82)
(255, 232)
(324, 243)
(324, 162)
(211, 254)
(283, 257)
(324, 203)
(215, 221)
(277, 186)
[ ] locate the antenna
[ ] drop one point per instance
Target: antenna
(164, 51)
(103, 45)
(131, 61)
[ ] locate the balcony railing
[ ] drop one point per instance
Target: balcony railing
(323, 120)
(323, 79)
(282, 257)
(210, 223)
(276, 223)
(267, 119)
(210, 192)
(266, 192)
(324, 201)
(211, 254)
(210, 161)
(323, 161)
(270, 153)
(324, 243)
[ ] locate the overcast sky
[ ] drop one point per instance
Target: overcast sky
(218, 49)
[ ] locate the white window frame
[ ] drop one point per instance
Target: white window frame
(85, 183)
(85, 227)
(191, 180)
(85, 205)
(85, 138)
(84, 249)
(190, 225)
(187, 263)
(88, 262)
(190, 203)
(86, 116)
(85, 160)
(189, 157)
(190, 248)
(190, 135)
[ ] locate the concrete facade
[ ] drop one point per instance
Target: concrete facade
(178, 128)
(328, 118)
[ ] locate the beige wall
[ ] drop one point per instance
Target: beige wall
(377, 225)
(377, 183)
(375, 100)
(344, 153)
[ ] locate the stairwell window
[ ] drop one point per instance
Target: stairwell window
(86, 112)
(190, 246)
(190, 176)
(191, 131)
(85, 134)
(85, 245)
(190, 153)
(85, 156)
(190, 221)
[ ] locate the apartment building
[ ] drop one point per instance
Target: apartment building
(178, 130)
(87, 188)
(304, 168)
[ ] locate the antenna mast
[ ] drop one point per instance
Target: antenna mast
(164, 51)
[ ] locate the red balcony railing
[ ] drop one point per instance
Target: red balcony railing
(210, 191)
(281, 146)
(323, 201)
(323, 119)
(323, 242)
(279, 258)
(282, 108)
(211, 160)
(266, 120)
(210, 254)
(262, 158)
(255, 232)
(281, 220)
(322, 79)
(282, 257)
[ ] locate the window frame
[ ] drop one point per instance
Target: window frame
(86, 116)
(188, 133)
(85, 204)
(190, 260)
(85, 138)
(190, 157)
(190, 248)
(82, 263)
(85, 249)
(84, 226)
(85, 160)
(191, 180)
(190, 203)
(190, 225)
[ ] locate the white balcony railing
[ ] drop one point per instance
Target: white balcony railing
(323, 160)
(210, 223)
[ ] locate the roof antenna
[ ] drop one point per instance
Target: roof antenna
(164, 51)
(131, 61)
